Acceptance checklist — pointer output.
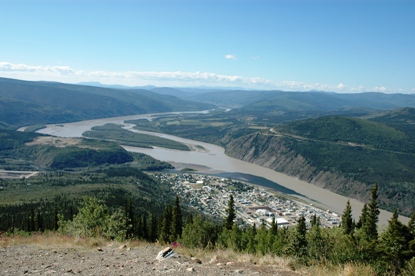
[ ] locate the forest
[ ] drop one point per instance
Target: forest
(390, 251)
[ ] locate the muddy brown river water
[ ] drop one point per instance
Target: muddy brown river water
(213, 160)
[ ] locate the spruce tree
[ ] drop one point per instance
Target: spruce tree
(315, 242)
(411, 224)
(55, 220)
(231, 215)
(250, 239)
(130, 223)
(370, 227)
(298, 245)
(138, 232)
(177, 221)
(347, 220)
(165, 228)
(274, 227)
(153, 229)
(189, 219)
(39, 220)
(394, 244)
(315, 220)
(362, 218)
(144, 226)
(263, 244)
(32, 226)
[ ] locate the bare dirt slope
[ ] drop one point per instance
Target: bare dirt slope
(116, 259)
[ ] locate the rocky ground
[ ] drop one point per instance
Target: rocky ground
(120, 259)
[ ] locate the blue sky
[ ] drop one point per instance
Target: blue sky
(331, 45)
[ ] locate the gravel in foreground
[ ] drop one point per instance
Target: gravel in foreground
(118, 260)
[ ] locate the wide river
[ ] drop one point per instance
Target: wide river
(214, 161)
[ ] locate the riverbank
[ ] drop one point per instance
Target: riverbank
(213, 160)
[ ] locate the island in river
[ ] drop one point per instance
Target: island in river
(213, 160)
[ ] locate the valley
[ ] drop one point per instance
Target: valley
(214, 160)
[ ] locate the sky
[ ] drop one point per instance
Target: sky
(343, 46)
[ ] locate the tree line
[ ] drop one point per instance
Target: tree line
(389, 253)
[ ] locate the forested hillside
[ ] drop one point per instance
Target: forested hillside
(345, 155)
(301, 101)
(25, 103)
(31, 151)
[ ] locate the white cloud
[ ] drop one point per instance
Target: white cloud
(341, 86)
(172, 78)
(7, 66)
(256, 57)
(232, 57)
(380, 89)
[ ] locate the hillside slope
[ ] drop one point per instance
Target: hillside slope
(344, 155)
(28, 103)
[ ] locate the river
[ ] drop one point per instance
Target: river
(214, 161)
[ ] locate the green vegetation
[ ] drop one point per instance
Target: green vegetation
(17, 155)
(352, 153)
(25, 103)
(351, 130)
(118, 212)
(34, 128)
(129, 138)
(393, 171)
(62, 192)
(216, 127)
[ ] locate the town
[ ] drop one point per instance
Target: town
(253, 204)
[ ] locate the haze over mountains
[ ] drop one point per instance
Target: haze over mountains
(29, 103)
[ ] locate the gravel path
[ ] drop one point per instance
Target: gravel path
(118, 260)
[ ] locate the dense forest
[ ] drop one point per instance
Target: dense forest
(390, 252)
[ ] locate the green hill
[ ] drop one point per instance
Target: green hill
(29, 103)
(345, 155)
(351, 130)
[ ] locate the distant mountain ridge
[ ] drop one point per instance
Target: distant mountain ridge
(28, 103)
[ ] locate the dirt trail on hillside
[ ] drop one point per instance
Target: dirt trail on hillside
(119, 260)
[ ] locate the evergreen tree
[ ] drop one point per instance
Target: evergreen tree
(362, 218)
(231, 215)
(55, 220)
(130, 223)
(153, 229)
(39, 220)
(411, 229)
(177, 221)
(32, 226)
(370, 225)
(411, 224)
(165, 228)
(298, 245)
(347, 220)
(262, 240)
(139, 227)
(279, 245)
(189, 219)
(274, 227)
(394, 244)
(316, 244)
(144, 227)
(199, 233)
(250, 239)
(315, 220)
(92, 220)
